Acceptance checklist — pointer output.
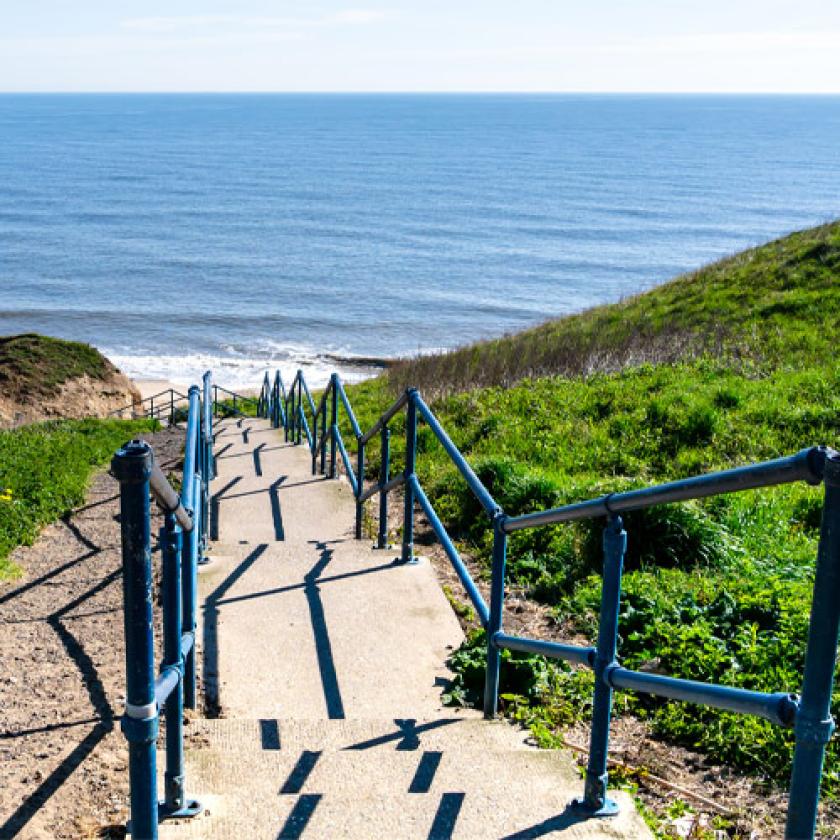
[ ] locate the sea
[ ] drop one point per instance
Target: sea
(247, 232)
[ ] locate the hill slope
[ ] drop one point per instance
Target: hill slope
(775, 305)
(42, 378)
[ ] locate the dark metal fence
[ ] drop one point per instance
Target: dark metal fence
(168, 406)
(182, 541)
(808, 714)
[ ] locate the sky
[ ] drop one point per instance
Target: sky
(423, 45)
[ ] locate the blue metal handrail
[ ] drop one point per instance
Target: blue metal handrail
(182, 541)
(809, 715)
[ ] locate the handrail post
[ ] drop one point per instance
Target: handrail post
(324, 437)
(595, 801)
(814, 724)
(497, 596)
(298, 413)
(384, 477)
(189, 592)
(171, 407)
(175, 803)
(407, 555)
(333, 424)
(289, 406)
(360, 485)
(207, 467)
(315, 445)
(294, 416)
(132, 467)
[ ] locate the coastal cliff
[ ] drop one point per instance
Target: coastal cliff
(45, 378)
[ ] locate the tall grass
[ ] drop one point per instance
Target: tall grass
(769, 307)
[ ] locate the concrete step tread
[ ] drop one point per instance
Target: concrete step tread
(464, 729)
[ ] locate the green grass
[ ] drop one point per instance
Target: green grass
(44, 472)
(773, 306)
(717, 590)
(245, 407)
(34, 365)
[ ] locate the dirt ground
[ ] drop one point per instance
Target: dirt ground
(63, 760)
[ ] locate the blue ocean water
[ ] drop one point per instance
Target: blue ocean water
(244, 231)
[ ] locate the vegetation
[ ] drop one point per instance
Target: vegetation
(245, 407)
(772, 306)
(44, 472)
(33, 365)
(732, 364)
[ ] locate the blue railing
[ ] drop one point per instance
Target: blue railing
(182, 542)
(809, 714)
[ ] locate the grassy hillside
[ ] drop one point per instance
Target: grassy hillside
(44, 472)
(769, 307)
(33, 365)
(734, 363)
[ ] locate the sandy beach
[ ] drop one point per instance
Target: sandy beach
(151, 387)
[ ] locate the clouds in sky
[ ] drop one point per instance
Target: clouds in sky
(183, 23)
(468, 45)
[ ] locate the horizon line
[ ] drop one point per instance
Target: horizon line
(501, 92)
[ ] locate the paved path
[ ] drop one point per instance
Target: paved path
(326, 660)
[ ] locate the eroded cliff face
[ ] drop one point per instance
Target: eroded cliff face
(82, 396)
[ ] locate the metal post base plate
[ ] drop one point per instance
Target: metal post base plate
(192, 808)
(608, 809)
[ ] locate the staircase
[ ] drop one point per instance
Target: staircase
(324, 661)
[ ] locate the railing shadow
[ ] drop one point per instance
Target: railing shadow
(103, 719)
(567, 819)
(215, 500)
(276, 510)
(323, 646)
(210, 663)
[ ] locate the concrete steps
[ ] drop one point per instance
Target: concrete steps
(456, 777)
(327, 662)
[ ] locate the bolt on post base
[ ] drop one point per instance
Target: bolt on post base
(595, 802)
(610, 808)
(191, 808)
(407, 556)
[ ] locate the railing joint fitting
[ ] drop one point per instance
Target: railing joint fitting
(605, 669)
(137, 729)
(831, 467)
(814, 731)
(176, 667)
(499, 518)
